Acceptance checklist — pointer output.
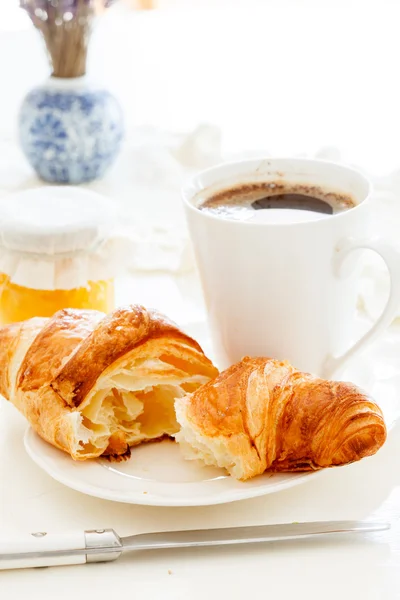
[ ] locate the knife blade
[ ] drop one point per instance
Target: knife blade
(41, 549)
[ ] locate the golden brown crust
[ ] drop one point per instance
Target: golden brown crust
(116, 335)
(276, 418)
(59, 337)
(11, 337)
(8, 340)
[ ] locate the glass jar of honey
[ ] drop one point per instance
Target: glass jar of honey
(57, 250)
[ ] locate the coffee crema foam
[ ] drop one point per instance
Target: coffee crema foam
(276, 201)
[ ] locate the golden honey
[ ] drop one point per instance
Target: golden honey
(18, 303)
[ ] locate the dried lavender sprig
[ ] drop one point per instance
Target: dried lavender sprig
(65, 26)
(63, 5)
(48, 12)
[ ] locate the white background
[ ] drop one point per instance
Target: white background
(285, 76)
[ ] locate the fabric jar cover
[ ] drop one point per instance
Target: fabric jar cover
(59, 238)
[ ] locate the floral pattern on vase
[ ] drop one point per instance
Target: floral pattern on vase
(70, 136)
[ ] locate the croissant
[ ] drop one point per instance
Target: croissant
(264, 415)
(94, 385)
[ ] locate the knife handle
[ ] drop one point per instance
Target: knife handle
(42, 549)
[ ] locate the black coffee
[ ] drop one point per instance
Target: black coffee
(296, 201)
(241, 201)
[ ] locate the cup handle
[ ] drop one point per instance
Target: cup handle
(392, 260)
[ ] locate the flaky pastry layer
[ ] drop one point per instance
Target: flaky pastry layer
(95, 385)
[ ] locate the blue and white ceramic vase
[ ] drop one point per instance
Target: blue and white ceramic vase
(70, 130)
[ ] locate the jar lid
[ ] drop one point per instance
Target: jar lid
(55, 220)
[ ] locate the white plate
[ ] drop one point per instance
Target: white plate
(156, 474)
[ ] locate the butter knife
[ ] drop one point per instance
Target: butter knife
(43, 549)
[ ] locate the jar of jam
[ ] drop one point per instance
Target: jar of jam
(57, 250)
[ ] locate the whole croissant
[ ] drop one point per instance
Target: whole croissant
(262, 414)
(92, 384)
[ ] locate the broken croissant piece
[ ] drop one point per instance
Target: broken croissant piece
(263, 414)
(94, 385)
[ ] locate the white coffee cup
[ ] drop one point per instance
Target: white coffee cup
(287, 290)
